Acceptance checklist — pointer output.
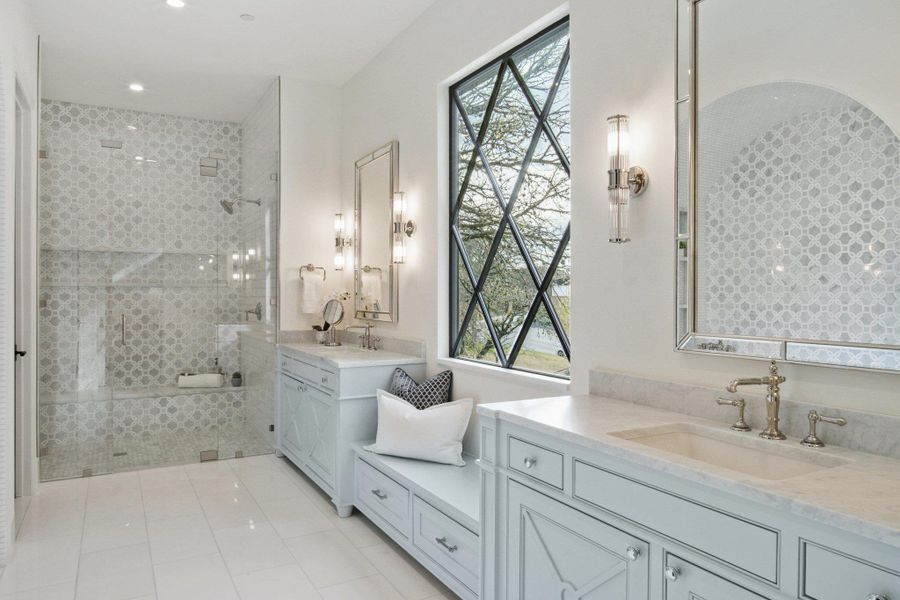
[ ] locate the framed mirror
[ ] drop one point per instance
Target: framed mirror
(788, 181)
(375, 277)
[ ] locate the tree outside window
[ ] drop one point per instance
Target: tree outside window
(510, 193)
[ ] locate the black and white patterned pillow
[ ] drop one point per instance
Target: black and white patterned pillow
(432, 391)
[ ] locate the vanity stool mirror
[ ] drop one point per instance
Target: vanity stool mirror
(788, 181)
(375, 277)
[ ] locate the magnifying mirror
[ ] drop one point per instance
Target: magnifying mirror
(333, 314)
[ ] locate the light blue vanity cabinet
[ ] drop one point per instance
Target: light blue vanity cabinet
(556, 551)
(572, 516)
(326, 402)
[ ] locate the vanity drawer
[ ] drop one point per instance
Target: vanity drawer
(829, 575)
(326, 379)
(535, 461)
(310, 373)
(741, 543)
(446, 542)
(384, 496)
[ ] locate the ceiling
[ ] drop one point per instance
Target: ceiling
(204, 60)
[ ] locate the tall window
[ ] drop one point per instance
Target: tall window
(509, 219)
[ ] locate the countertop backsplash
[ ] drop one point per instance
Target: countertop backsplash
(866, 432)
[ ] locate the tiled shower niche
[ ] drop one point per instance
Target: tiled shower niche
(142, 277)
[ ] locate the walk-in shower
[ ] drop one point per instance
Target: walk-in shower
(144, 276)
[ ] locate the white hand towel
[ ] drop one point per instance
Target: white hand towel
(202, 380)
(371, 289)
(312, 288)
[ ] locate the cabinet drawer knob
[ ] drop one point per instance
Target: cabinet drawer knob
(443, 542)
(877, 597)
(529, 462)
(632, 553)
(379, 494)
(324, 379)
(672, 573)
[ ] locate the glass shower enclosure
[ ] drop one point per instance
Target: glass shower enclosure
(158, 257)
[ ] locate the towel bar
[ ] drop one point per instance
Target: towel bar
(311, 267)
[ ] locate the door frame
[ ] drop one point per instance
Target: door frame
(26, 271)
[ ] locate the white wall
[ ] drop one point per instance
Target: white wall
(18, 60)
(310, 189)
(402, 95)
(622, 295)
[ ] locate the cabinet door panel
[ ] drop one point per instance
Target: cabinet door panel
(321, 428)
(291, 419)
(690, 582)
(556, 551)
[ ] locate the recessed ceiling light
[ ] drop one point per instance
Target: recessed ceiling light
(175, 3)
(136, 87)
(131, 127)
(247, 17)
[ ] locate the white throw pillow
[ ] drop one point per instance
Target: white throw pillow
(434, 434)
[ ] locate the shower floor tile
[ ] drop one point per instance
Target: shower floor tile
(64, 461)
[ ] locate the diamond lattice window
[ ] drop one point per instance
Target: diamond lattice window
(509, 221)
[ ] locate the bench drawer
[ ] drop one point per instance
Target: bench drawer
(701, 527)
(446, 542)
(384, 496)
(536, 461)
(829, 575)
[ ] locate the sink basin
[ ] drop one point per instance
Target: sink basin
(734, 451)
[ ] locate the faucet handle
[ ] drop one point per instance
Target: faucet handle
(773, 372)
(812, 440)
(740, 404)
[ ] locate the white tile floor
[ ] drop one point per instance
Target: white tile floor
(246, 529)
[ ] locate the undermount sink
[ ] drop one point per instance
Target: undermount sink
(734, 451)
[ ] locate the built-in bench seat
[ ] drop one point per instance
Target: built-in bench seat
(431, 510)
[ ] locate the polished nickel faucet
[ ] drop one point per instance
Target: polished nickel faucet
(366, 340)
(773, 399)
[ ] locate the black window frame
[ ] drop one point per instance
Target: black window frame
(542, 284)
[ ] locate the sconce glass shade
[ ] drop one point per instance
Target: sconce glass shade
(399, 243)
(618, 144)
(339, 242)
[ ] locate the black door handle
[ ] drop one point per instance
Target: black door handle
(19, 353)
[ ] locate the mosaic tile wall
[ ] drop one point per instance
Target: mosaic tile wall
(799, 231)
(138, 415)
(137, 233)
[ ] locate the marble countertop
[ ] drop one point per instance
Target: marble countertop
(860, 495)
(348, 357)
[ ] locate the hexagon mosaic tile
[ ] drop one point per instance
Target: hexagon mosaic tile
(801, 233)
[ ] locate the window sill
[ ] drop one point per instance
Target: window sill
(551, 384)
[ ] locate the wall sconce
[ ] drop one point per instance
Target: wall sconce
(340, 242)
(402, 229)
(624, 182)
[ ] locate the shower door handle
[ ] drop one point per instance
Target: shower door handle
(124, 342)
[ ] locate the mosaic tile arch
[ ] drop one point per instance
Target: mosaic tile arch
(799, 227)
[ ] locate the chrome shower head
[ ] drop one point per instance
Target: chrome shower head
(228, 205)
